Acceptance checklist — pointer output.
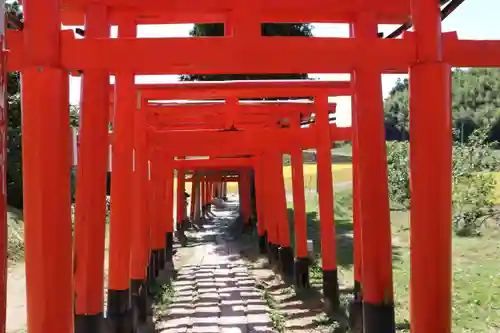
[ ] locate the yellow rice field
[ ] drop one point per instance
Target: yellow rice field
(341, 173)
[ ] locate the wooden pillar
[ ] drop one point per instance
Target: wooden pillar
(269, 209)
(181, 200)
(326, 213)
(121, 194)
(3, 184)
(169, 208)
(377, 290)
(244, 189)
(302, 260)
(90, 212)
(193, 201)
(431, 168)
(158, 179)
(224, 190)
(197, 200)
(281, 215)
(139, 249)
(356, 306)
(151, 208)
(260, 198)
(203, 196)
(46, 172)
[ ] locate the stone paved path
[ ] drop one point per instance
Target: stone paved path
(214, 290)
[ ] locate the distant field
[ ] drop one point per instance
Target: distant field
(342, 173)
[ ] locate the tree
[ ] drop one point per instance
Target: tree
(473, 183)
(475, 100)
(267, 29)
(14, 135)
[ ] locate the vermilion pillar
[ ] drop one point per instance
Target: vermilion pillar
(139, 249)
(244, 191)
(151, 274)
(3, 188)
(224, 191)
(169, 208)
(356, 307)
(90, 214)
(377, 290)
(203, 196)
(121, 194)
(193, 201)
(46, 176)
(281, 215)
(431, 168)
(181, 189)
(302, 260)
(181, 207)
(158, 183)
(197, 200)
(260, 198)
(326, 213)
(268, 177)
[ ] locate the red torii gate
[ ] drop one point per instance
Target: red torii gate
(45, 55)
(303, 109)
(212, 142)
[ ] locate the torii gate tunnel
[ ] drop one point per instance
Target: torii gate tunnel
(65, 292)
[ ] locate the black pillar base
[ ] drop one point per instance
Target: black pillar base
(331, 290)
(301, 272)
(356, 316)
(161, 259)
(263, 244)
(247, 226)
(272, 254)
(181, 232)
(139, 300)
(151, 269)
(119, 314)
(89, 323)
(356, 310)
(286, 259)
(169, 250)
(156, 258)
(379, 318)
(357, 290)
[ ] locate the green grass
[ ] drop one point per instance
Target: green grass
(163, 296)
(476, 278)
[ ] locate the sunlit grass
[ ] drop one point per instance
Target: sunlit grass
(476, 279)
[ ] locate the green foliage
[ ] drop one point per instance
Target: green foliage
(398, 169)
(475, 97)
(473, 183)
(14, 135)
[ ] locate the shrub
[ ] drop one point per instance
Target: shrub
(473, 183)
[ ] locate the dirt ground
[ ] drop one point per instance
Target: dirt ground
(16, 299)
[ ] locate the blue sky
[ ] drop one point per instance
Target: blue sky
(474, 19)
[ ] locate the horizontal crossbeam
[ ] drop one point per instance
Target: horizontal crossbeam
(208, 11)
(248, 89)
(201, 143)
(212, 115)
(272, 55)
(215, 55)
(227, 163)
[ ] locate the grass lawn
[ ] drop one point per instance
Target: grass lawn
(476, 278)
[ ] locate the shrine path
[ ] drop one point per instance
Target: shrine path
(214, 290)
